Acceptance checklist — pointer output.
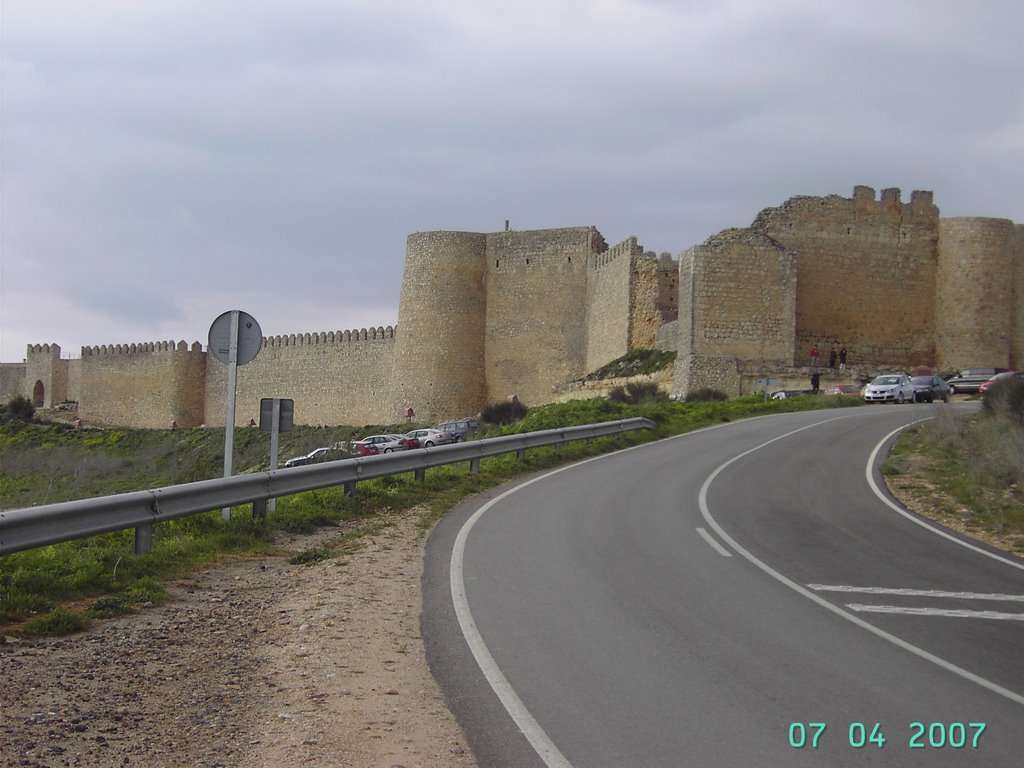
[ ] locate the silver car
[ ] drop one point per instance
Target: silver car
(428, 438)
(890, 388)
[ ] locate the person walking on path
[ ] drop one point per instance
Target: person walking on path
(815, 382)
(814, 356)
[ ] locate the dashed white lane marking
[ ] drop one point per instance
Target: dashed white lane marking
(956, 614)
(919, 593)
(810, 595)
(714, 543)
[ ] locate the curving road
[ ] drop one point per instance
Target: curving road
(730, 597)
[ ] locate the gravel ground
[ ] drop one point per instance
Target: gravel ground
(255, 663)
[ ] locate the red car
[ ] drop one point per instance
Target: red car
(364, 448)
(985, 386)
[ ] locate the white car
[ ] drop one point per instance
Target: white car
(386, 443)
(890, 388)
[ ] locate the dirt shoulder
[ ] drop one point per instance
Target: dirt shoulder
(255, 663)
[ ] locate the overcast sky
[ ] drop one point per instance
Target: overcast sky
(164, 161)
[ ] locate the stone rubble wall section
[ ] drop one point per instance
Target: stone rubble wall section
(867, 273)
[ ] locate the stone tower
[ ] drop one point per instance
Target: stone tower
(439, 349)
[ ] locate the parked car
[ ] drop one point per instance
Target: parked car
(843, 389)
(317, 456)
(890, 388)
(928, 389)
(459, 429)
(783, 394)
(364, 448)
(428, 438)
(380, 444)
(970, 379)
(985, 386)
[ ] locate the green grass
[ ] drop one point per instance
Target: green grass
(104, 573)
(976, 462)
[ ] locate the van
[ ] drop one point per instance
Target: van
(460, 429)
(969, 379)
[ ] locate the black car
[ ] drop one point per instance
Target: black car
(969, 379)
(928, 389)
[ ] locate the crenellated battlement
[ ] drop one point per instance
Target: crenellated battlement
(143, 348)
(627, 248)
(380, 333)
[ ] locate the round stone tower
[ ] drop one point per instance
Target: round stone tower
(439, 345)
(974, 293)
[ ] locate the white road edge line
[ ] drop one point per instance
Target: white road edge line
(919, 652)
(531, 729)
(947, 612)
(920, 593)
(714, 543)
(914, 519)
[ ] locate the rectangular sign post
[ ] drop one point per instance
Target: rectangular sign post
(276, 416)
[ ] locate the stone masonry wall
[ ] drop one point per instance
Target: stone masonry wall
(142, 385)
(974, 305)
(12, 381)
(867, 273)
(439, 353)
(608, 303)
(645, 315)
(337, 377)
(536, 333)
(737, 301)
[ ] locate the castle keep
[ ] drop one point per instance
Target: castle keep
(484, 316)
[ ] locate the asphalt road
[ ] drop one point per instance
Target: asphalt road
(730, 597)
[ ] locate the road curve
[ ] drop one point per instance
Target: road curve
(729, 597)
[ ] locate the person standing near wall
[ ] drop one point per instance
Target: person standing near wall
(815, 382)
(842, 359)
(832, 358)
(814, 356)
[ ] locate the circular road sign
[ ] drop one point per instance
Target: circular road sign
(250, 337)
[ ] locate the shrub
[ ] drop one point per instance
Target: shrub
(1006, 400)
(19, 407)
(636, 392)
(505, 412)
(59, 621)
(705, 395)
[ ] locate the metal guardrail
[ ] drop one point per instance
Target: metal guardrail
(32, 527)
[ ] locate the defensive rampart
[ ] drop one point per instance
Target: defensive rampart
(146, 385)
(337, 377)
(867, 273)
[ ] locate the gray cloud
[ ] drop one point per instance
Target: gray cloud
(170, 159)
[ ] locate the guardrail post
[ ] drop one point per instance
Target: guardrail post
(143, 538)
(350, 487)
(474, 466)
(521, 454)
(421, 474)
(259, 508)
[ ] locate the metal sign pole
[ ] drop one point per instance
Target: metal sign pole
(275, 438)
(229, 421)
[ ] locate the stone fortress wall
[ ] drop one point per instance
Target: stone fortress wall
(484, 316)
